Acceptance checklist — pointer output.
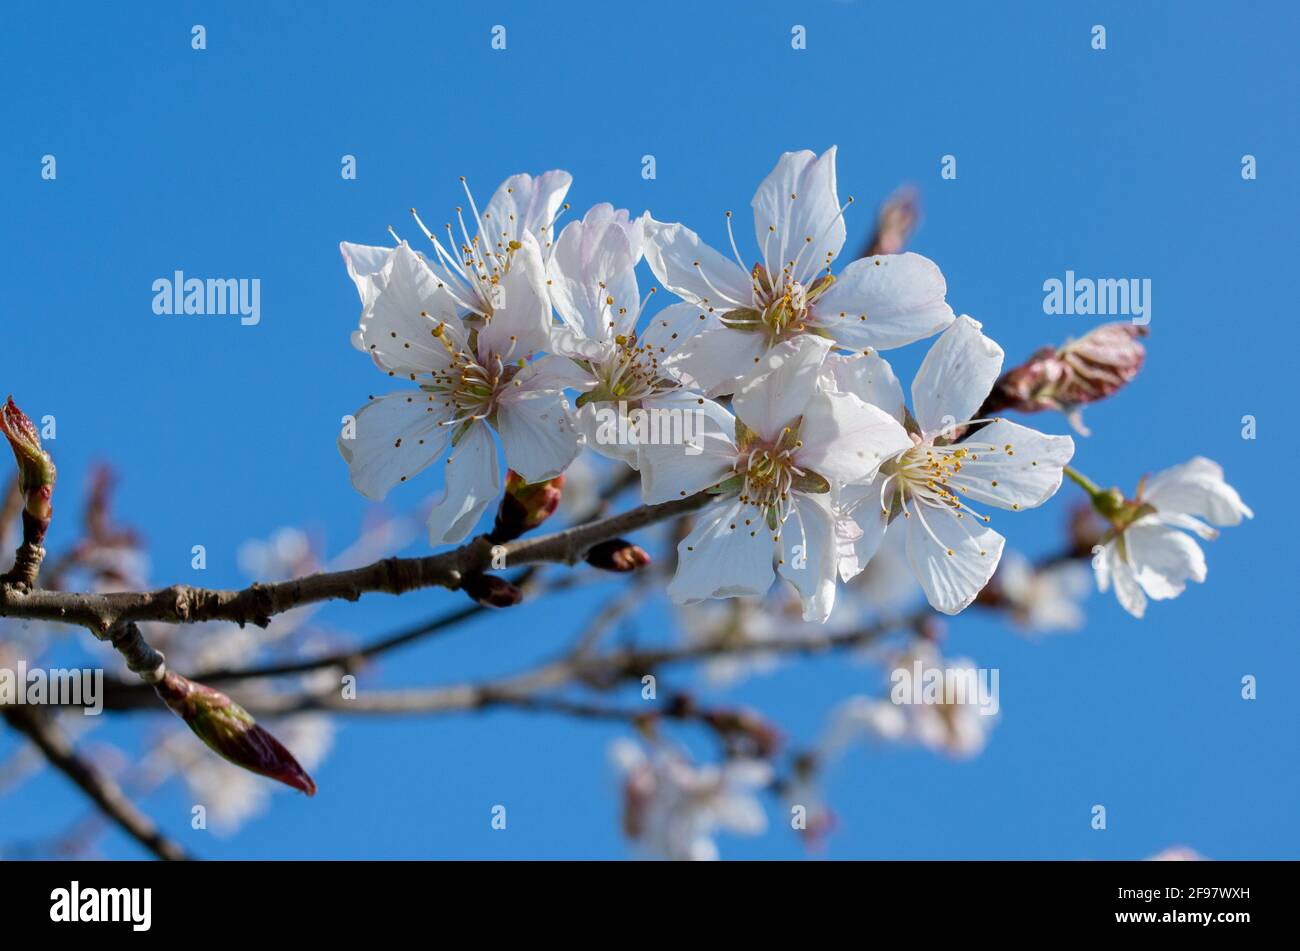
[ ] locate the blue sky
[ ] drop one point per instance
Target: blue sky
(1116, 163)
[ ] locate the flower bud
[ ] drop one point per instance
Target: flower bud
(1083, 371)
(491, 591)
(231, 732)
(525, 505)
(617, 554)
(36, 472)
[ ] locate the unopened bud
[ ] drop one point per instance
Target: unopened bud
(617, 554)
(231, 732)
(36, 472)
(491, 591)
(895, 222)
(1083, 371)
(525, 505)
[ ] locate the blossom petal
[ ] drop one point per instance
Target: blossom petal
(885, 301)
(398, 329)
(780, 387)
(524, 204)
(672, 471)
(694, 271)
(368, 266)
(870, 378)
(952, 558)
(520, 324)
(537, 433)
(668, 331)
(593, 263)
(1196, 488)
(860, 525)
(797, 213)
(845, 439)
(472, 482)
(716, 360)
(723, 557)
(1111, 567)
(810, 554)
(1012, 466)
(395, 437)
(955, 377)
(1163, 558)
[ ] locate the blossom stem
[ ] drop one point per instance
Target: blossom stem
(1083, 482)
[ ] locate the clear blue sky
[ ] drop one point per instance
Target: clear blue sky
(1117, 163)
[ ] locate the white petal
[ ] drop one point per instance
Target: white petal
(810, 554)
(885, 301)
(667, 331)
(860, 525)
(525, 204)
(537, 433)
(716, 360)
(472, 481)
(587, 422)
(1163, 558)
(398, 330)
(368, 266)
(869, 377)
(778, 390)
(723, 557)
(1111, 566)
(694, 271)
(521, 309)
(798, 199)
(1196, 488)
(396, 436)
(845, 439)
(593, 262)
(952, 566)
(670, 471)
(955, 376)
(1022, 478)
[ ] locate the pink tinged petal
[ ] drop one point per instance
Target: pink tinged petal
(398, 331)
(869, 377)
(954, 559)
(522, 204)
(780, 387)
(885, 301)
(845, 439)
(472, 482)
(537, 433)
(955, 377)
(809, 557)
(520, 324)
(592, 262)
(672, 471)
(723, 557)
(1196, 488)
(716, 360)
(396, 436)
(798, 199)
(1163, 558)
(860, 525)
(673, 252)
(1022, 470)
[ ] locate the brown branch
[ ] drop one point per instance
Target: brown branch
(258, 603)
(41, 729)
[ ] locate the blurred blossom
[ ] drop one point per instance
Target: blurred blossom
(673, 808)
(1177, 853)
(1042, 600)
(286, 554)
(739, 622)
(887, 583)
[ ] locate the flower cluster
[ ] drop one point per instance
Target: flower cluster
(762, 385)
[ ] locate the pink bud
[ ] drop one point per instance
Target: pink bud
(617, 554)
(894, 222)
(491, 590)
(524, 506)
(36, 472)
(231, 732)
